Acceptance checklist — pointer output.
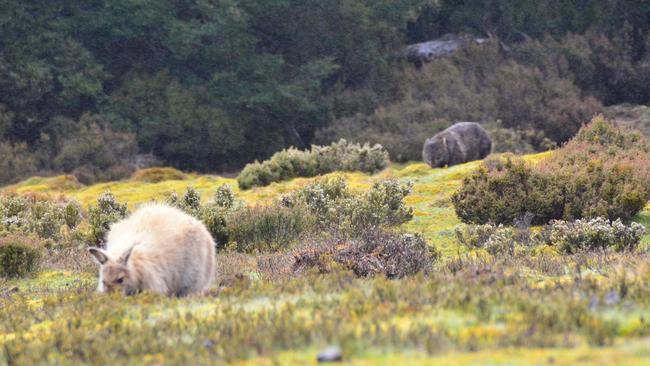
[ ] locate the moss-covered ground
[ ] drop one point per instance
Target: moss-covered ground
(530, 308)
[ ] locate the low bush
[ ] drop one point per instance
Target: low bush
(327, 205)
(291, 163)
(157, 174)
(38, 215)
(214, 217)
(517, 141)
(19, 255)
(334, 205)
(376, 252)
(100, 217)
(224, 197)
(568, 236)
(597, 233)
(498, 239)
(267, 228)
(72, 214)
(213, 214)
(602, 172)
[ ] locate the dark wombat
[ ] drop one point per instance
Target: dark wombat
(460, 143)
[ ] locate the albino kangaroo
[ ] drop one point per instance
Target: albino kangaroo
(157, 248)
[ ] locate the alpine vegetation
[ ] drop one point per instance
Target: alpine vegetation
(291, 163)
(158, 248)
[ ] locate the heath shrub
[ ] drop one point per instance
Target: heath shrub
(602, 172)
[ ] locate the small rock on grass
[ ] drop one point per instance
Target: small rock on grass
(330, 354)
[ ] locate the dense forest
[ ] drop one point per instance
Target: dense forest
(96, 88)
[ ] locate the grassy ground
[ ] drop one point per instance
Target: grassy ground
(530, 308)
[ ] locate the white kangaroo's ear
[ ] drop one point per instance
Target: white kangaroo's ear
(99, 255)
(125, 257)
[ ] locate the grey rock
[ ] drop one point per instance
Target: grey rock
(460, 143)
(330, 354)
(437, 48)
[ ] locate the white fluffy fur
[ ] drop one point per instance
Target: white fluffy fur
(173, 253)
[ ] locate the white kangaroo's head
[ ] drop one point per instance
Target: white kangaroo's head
(114, 274)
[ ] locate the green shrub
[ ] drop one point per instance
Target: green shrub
(597, 233)
(517, 141)
(375, 252)
(344, 156)
(322, 198)
(46, 219)
(291, 163)
(603, 172)
(38, 215)
(382, 205)
(191, 201)
(19, 256)
(499, 239)
(334, 205)
(267, 228)
(224, 197)
(215, 219)
(72, 214)
(325, 205)
(100, 217)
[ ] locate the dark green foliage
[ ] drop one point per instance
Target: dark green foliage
(202, 85)
(610, 67)
(72, 214)
(603, 172)
(214, 217)
(19, 256)
(517, 141)
(520, 19)
(210, 86)
(482, 84)
(267, 228)
(100, 217)
(291, 163)
(506, 190)
(93, 151)
(17, 162)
